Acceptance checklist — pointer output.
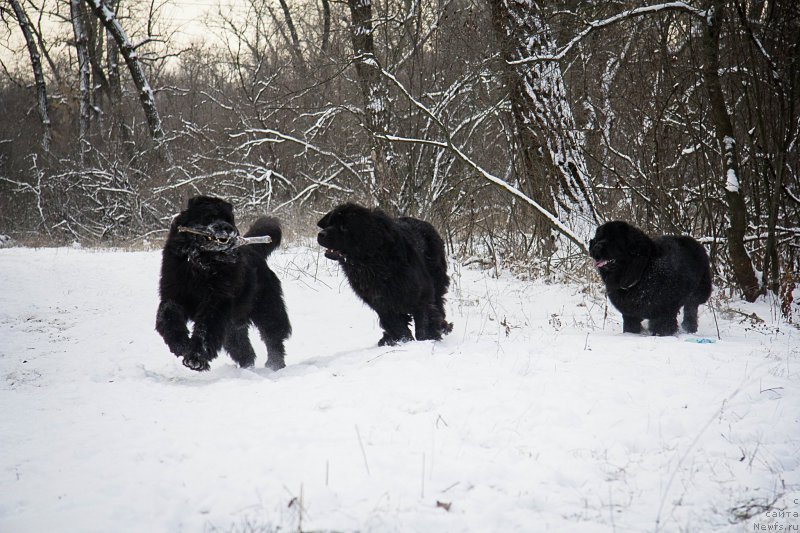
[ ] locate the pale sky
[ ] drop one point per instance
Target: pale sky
(184, 16)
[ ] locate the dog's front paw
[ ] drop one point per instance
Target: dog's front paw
(196, 363)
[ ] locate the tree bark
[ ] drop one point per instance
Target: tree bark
(737, 210)
(553, 163)
(128, 51)
(38, 75)
(81, 47)
(112, 62)
(376, 106)
(297, 50)
(326, 26)
(115, 88)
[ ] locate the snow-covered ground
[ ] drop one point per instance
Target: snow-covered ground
(535, 414)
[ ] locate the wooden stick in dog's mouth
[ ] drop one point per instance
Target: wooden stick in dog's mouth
(234, 241)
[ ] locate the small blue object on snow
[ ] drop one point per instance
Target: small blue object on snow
(701, 341)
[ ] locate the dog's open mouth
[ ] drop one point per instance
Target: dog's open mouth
(336, 255)
(600, 263)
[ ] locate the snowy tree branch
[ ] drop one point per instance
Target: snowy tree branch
(128, 50)
(557, 224)
(598, 24)
(552, 219)
(279, 137)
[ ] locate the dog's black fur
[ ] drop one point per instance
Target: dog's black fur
(222, 290)
(396, 266)
(651, 278)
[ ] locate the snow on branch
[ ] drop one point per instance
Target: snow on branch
(554, 221)
(280, 137)
(128, 50)
(557, 224)
(598, 24)
(303, 195)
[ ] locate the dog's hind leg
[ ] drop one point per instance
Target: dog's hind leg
(395, 328)
(276, 352)
(698, 296)
(430, 324)
(439, 324)
(422, 324)
(631, 324)
(273, 334)
(273, 325)
(238, 346)
(664, 325)
(171, 325)
(689, 323)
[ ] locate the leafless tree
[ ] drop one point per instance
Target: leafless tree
(128, 51)
(723, 126)
(82, 50)
(550, 147)
(375, 98)
(38, 74)
(560, 113)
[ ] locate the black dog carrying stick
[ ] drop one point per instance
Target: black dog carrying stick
(232, 242)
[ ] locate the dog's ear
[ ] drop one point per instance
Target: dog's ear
(194, 201)
(640, 251)
(228, 209)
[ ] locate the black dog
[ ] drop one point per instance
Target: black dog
(220, 288)
(651, 279)
(396, 266)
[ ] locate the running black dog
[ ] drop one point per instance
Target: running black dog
(219, 287)
(651, 278)
(396, 266)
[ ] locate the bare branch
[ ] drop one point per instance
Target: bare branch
(598, 24)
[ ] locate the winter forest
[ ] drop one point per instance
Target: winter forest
(515, 127)
(527, 399)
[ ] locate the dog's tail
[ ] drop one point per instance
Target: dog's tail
(265, 226)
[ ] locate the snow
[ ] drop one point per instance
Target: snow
(731, 181)
(535, 414)
(690, 149)
(729, 143)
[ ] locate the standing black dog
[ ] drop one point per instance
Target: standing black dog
(221, 289)
(652, 279)
(396, 266)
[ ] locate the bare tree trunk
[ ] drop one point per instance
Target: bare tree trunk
(109, 20)
(376, 104)
(99, 81)
(115, 88)
(723, 126)
(112, 62)
(297, 50)
(36, 29)
(551, 149)
(772, 269)
(326, 26)
(38, 75)
(81, 47)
